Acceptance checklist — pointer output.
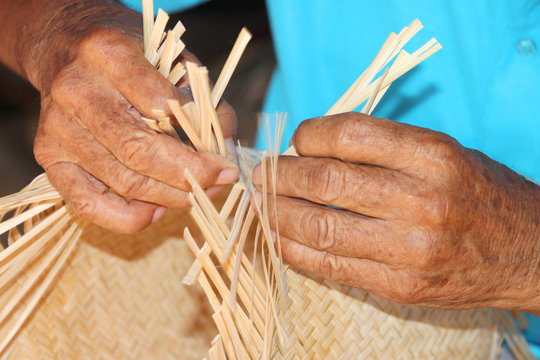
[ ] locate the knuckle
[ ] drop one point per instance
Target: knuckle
(347, 126)
(407, 290)
(320, 228)
(131, 186)
(326, 180)
(202, 171)
(330, 266)
(434, 209)
(101, 41)
(38, 149)
(424, 251)
(138, 150)
(65, 85)
(440, 147)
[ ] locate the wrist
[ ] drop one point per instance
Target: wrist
(56, 43)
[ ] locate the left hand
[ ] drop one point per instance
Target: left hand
(415, 217)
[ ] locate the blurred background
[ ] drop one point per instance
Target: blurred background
(211, 31)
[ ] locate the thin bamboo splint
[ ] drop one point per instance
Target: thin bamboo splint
(69, 289)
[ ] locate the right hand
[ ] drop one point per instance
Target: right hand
(91, 137)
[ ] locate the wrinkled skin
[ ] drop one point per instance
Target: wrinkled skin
(95, 85)
(416, 217)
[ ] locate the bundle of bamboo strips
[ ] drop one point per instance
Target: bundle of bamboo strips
(261, 308)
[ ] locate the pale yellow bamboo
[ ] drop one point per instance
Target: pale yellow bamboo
(185, 124)
(148, 22)
(42, 288)
(230, 65)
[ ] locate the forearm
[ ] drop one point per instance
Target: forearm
(38, 38)
(530, 232)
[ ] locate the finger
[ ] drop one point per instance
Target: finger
(91, 200)
(227, 119)
(139, 82)
(355, 137)
(335, 231)
(361, 273)
(225, 112)
(104, 112)
(96, 160)
(367, 190)
(64, 140)
(120, 58)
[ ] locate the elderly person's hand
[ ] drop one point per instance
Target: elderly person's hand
(414, 217)
(87, 60)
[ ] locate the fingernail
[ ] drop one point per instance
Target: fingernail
(158, 213)
(256, 177)
(227, 176)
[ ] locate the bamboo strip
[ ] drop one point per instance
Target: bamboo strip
(16, 220)
(13, 250)
(191, 111)
(233, 331)
(19, 263)
(205, 126)
(180, 46)
(392, 75)
(47, 262)
(219, 345)
(227, 340)
(232, 61)
(176, 73)
(276, 263)
(148, 22)
(241, 243)
(222, 289)
(209, 291)
(168, 55)
(193, 273)
(231, 201)
(237, 225)
(185, 124)
(210, 111)
(217, 241)
(197, 215)
(42, 288)
(402, 56)
(368, 74)
(152, 124)
(157, 32)
(369, 104)
(206, 203)
(28, 196)
(407, 34)
(164, 123)
(178, 30)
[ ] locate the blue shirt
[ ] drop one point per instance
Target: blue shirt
(481, 88)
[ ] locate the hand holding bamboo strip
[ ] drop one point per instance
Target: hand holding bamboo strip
(261, 308)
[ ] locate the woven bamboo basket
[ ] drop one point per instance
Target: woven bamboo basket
(72, 290)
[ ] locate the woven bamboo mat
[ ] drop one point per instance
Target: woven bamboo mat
(121, 297)
(332, 321)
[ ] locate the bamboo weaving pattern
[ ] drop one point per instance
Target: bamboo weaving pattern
(69, 289)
